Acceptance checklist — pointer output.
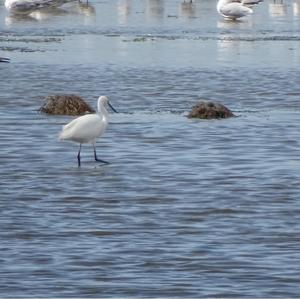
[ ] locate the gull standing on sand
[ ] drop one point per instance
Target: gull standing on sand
(234, 9)
(86, 128)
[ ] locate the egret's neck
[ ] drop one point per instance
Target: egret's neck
(102, 111)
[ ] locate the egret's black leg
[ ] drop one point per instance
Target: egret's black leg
(78, 156)
(96, 158)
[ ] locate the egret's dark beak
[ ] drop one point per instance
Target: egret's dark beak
(112, 108)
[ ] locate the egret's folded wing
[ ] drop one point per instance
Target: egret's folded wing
(76, 127)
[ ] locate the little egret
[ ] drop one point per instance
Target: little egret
(86, 128)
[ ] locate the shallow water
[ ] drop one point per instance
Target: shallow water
(186, 208)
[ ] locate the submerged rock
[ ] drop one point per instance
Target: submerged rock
(65, 105)
(210, 110)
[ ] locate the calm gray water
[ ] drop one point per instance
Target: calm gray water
(186, 209)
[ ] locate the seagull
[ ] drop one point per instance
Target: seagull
(86, 128)
(28, 6)
(234, 9)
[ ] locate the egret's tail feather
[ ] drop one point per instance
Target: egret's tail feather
(63, 135)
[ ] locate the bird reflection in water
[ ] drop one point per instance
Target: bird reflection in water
(278, 8)
(228, 24)
(187, 9)
(155, 9)
(296, 8)
(82, 8)
(124, 10)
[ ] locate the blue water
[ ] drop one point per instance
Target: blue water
(186, 208)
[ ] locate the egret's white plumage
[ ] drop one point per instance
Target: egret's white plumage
(234, 9)
(87, 128)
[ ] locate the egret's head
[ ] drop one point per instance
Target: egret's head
(103, 101)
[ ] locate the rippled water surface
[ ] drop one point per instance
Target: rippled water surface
(187, 208)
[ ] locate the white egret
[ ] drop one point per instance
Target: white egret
(234, 9)
(86, 128)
